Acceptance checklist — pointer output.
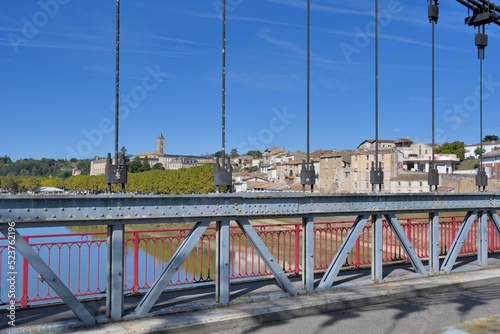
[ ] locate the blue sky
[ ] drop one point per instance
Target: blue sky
(57, 60)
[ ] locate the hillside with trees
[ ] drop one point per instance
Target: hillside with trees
(43, 168)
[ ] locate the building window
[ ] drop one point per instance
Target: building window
(409, 183)
(347, 174)
(382, 157)
(367, 186)
(399, 183)
(421, 183)
(367, 165)
(367, 157)
(382, 165)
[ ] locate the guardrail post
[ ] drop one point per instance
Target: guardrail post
(24, 282)
(135, 279)
(297, 250)
(358, 255)
(408, 225)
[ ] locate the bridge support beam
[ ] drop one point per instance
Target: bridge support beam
(307, 254)
(434, 243)
(342, 253)
(49, 276)
(222, 285)
(377, 243)
(115, 276)
(457, 244)
(495, 220)
(405, 243)
(266, 256)
(173, 265)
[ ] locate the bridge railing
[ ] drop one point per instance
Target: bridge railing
(79, 258)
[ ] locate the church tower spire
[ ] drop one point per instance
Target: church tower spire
(160, 144)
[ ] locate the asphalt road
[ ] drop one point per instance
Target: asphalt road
(429, 314)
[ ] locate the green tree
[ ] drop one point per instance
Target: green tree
(158, 166)
(234, 153)
(145, 165)
(457, 147)
(255, 153)
(9, 184)
(490, 138)
(478, 151)
(126, 155)
(5, 160)
(135, 166)
(84, 166)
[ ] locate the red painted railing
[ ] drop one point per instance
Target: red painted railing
(79, 259)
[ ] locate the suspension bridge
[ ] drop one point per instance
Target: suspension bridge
(117, 211)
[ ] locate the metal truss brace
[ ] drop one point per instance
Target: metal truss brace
(342, 253)
(50, 277)
(495, 220)
(405, 243)
(266, 256)
(173, 265)
(457, 244)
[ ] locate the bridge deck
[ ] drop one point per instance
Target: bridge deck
(263, 301)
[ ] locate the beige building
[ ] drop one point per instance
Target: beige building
(98, 165)
(361, 165)
(409, 182)
(335, 172)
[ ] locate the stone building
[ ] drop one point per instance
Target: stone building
(335, 172)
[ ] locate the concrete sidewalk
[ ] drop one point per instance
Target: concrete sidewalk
(266, 302)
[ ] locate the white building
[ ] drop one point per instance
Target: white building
(487, 147)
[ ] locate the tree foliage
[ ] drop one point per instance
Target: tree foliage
(254, 153)
(457, 147)
(194, 180)
(234, 153)
(44, 167)
(490, 138)
(478, 151)
(139, 165)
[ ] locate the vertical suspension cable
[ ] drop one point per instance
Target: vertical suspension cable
(376, 90)
(481, 107)
(433, 96)
(308, 75)
(117, 80)
(224, 84)
(433, 175)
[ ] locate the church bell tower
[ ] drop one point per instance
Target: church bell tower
(160, 144)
